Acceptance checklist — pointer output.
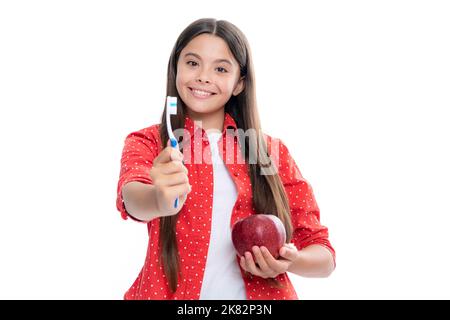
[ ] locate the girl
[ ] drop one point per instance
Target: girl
(190, 253)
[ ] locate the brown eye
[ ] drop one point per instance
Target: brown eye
(192, 64)
(224, 70)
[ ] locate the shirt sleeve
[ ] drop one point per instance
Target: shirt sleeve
(305, 213)
(138, 153)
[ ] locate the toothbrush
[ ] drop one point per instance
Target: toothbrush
(171, 108)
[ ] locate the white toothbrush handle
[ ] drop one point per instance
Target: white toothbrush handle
(174, 144)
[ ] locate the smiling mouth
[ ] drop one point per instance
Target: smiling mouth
(200, 94)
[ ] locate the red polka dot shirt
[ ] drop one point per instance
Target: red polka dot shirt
(193, 227)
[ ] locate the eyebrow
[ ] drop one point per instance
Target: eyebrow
(198, 57)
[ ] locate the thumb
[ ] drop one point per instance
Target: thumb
(288, 253)
(174, 154)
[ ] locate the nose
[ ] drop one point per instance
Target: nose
(202, 77)
(200, 80)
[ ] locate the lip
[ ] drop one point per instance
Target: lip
(200, 97)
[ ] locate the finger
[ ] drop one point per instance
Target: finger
(289, 253)
(184, 197)
(174, 179)
(250, 264)
(272, 263)
(175, 154)
(164, 156)
(290, 245)
(242, 263)
(178, 191)
(173, 167)
(168, 154)
(260, 259)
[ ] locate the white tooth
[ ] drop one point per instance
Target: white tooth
(202, 93)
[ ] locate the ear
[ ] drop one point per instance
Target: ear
(239, 86)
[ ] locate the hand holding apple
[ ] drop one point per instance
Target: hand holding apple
(266, 265)
(263, 235)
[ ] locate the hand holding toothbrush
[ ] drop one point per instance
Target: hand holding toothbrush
(170, 178)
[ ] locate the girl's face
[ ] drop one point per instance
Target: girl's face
(207, 74)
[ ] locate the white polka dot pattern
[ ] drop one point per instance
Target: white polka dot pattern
(194, 223)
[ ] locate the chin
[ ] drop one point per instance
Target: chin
(202, 109)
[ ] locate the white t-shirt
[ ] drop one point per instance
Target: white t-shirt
(222, 278)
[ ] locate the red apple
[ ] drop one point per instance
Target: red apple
(259, 230)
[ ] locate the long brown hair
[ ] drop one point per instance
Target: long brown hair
(269, 196)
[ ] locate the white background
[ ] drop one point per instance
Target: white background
(358, 90)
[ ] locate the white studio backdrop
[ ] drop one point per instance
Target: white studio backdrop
(358, 91)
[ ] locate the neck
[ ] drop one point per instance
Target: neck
(212, 120)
